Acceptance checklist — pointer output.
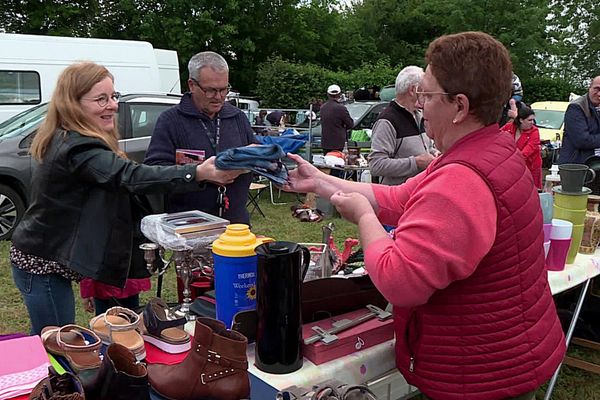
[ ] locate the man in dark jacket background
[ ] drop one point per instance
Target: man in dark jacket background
(582, 127)
(335, 121)
(203, 120)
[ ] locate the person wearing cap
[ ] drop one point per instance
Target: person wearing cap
(335, 121)
(581, 139)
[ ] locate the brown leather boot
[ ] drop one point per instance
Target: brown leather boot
(216, 367)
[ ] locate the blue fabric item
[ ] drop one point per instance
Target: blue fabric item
(48, 298)
(265, 160)
(296, 136)
(289, 144)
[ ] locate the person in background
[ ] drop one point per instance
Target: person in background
(276, 119)
(79, 222)
(203, 120)
(582, 127)
(260, 124)
(335, 121)
(516, 98)
(261, 118)
(399, 149)
(527, 138)
(464, 268)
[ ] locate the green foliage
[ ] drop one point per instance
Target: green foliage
(545, 88)
(285, 84)
(355, 43)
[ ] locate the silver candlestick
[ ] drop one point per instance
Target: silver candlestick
(186, 263)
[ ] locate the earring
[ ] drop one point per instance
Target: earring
(453, 121)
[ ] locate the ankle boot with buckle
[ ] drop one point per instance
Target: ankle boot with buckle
(120, 377)
(58, 387)
(216, 367)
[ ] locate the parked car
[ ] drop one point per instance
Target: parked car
(388, 93)
(364, 114)
(136, 119)
(549, 118)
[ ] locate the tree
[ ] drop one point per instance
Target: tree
(60, 17)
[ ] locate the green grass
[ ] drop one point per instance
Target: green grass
(573, 384)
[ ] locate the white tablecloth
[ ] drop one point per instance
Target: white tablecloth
(586, 266)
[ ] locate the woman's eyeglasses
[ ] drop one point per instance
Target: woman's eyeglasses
(423, 96)
(102, 100)
(212, 92)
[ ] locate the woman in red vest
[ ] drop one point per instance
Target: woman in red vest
(464, 268)
(527, 138)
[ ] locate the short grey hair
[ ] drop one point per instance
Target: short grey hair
(206, 59)
(409, 76)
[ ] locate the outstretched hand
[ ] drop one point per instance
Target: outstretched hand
(208, 171)
(351, 206)
(512, 112)
(304, 178)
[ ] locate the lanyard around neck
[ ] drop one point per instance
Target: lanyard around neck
(214, 142)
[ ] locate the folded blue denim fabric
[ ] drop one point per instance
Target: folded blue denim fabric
(289, 144)
(265, 160)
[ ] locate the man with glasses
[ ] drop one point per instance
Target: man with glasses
(400, 149)
(203, 120)
(582, 127)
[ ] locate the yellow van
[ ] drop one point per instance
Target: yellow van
(550, 118)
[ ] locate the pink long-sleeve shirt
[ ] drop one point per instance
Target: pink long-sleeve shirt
(446, 223)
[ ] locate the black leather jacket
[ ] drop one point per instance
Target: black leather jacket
(80, 212)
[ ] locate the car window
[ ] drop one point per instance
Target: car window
(23, 122)
(20, 87)
(369, 119)
(549, 119)
(144, 116)
(357, 109)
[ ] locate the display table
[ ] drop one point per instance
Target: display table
(356, 368)
(580, 272)
(365, 365)
(348, 170)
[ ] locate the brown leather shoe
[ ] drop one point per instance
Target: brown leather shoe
(58, 387)
(216, 367)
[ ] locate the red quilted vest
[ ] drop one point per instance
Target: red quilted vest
(495, 334)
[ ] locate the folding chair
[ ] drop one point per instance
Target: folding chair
(254, 196)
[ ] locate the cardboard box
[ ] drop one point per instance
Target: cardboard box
(355, 339)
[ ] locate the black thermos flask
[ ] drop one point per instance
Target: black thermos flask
(280, 272)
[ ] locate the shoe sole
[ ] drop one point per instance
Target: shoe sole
(168, 347)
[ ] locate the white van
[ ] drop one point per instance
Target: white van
(30, 65)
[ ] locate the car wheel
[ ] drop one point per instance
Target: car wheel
(11, 211)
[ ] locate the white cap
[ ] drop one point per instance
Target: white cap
(333, 90)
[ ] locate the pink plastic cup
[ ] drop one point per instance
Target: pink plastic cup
(557, 254)
(547, 230)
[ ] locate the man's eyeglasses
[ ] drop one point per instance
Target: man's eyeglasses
(212, 92)
(423, 97)
(102, 100)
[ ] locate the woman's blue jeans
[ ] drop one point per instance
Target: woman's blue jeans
(49, 299)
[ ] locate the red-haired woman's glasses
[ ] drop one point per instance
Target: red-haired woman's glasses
(102, 100)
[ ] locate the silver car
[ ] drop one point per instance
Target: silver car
(137, 116)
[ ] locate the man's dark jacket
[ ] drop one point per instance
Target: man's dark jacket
(184, 127)
(335, 123)
(582, 131)
(80, 212)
